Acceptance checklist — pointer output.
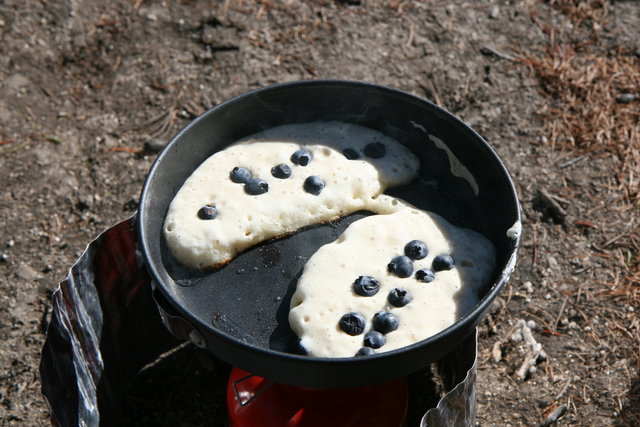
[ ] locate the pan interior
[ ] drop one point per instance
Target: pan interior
(248, 300)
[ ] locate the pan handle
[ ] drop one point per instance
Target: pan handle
(175, 323)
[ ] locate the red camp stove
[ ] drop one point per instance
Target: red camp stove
(255, 401)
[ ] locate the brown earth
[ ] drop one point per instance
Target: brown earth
(86, 86)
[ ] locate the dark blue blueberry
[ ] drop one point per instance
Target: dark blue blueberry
(399, 297)
(416, 249)
(256, 186)
(302, 157)
(442, 262)
(281, 171)
(385, 322)
(313, 185)
(352, 323)
(401, 266)
(208, 212)
(375, 150)
(425, 275)
(366, 286)
(374, 339)
(365, 351)
(240, 175)
(350, 153)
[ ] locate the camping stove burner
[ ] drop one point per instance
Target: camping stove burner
(255, 401)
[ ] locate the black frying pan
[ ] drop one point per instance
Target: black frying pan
(240, 311)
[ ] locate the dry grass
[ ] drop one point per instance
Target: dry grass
(593, 93)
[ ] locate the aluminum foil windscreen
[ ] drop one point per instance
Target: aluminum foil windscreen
(105, 327)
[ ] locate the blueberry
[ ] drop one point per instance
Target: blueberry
(425, 275)
(366, 286)
(352, 323)
(399, 297)
(208, 212)
(442, 262)
(302, 157)
(365, 351)
(281, 171)
(374, 339)
(375, 150)
(385, 322)
(416, 249)
(313, 185)
(240, 175)
(350, 153)
(401, 266)
(256, 186)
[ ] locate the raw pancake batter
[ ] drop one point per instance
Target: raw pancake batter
(268, 186)
(325, 291)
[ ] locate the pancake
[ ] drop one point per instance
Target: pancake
(217, 213)
(325, 292)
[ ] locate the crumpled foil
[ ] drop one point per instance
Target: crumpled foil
(105, 326)
(458, 372)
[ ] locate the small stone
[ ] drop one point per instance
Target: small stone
(47, 268)
(625, 98)
(10, 243)
(494, 12)
(154, 145)
(25, 272)
(4, 257)
(208, 35)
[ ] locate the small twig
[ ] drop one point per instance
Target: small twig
(564, 388)
(573, 161)
(623, 234)
(411, 35)
(585, 223)
(551, 202)
(7, 141)
(534, 352)
(53, 139)
(149, 122)
(534, 248)
(15, 148)
(126, 150)
(564, 303)
(430, 88)
(488, 51)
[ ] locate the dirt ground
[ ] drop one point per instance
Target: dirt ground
(90, 89)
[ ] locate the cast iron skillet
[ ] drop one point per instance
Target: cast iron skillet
(240, 312)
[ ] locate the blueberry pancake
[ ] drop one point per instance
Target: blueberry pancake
(388, 281)
(279, 181)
